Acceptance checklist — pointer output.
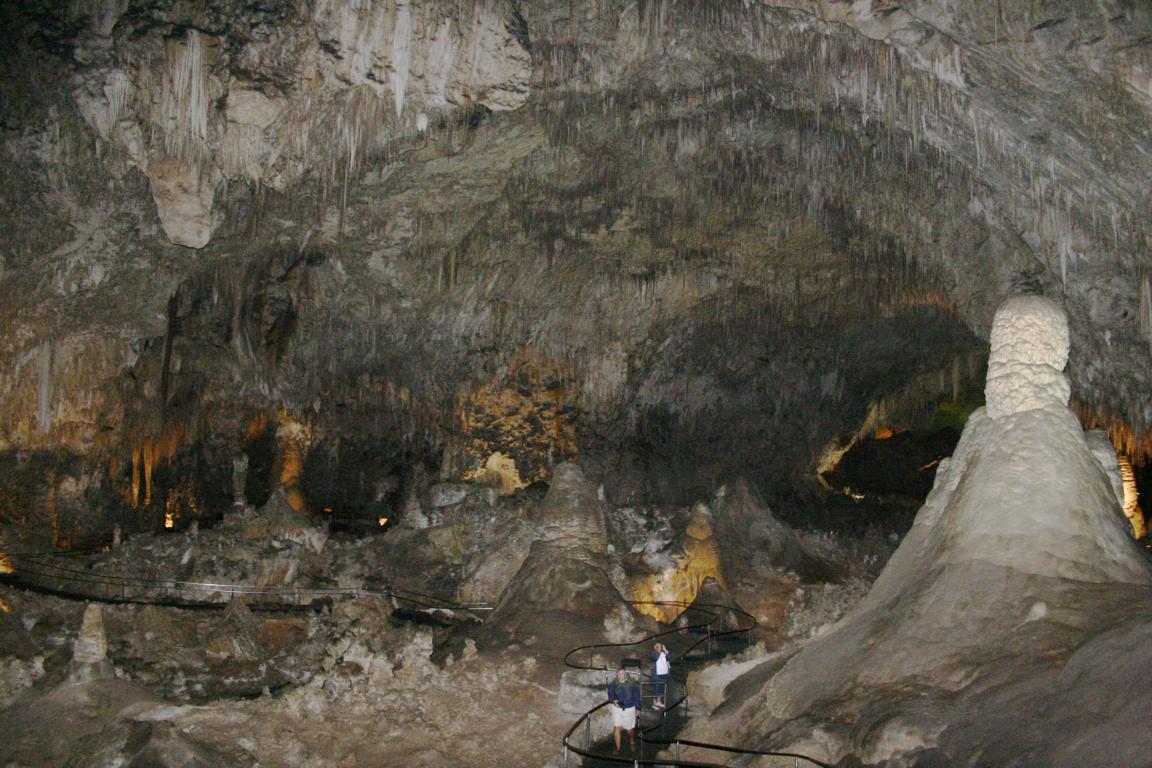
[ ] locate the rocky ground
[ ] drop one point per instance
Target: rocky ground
(353, 683)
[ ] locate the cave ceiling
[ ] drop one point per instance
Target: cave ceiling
(703, 238)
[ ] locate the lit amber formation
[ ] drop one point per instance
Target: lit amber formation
(698, 560)
(514, 430)
(151, 452)
(1131, 502)
(499, 469)
(293, 438)
(1133, 448)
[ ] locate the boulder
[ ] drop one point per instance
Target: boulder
(163, 746)
(582, 689)
(447, 494)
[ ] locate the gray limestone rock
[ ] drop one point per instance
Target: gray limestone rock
(582, 689)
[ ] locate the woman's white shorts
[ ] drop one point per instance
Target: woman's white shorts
(623, 718)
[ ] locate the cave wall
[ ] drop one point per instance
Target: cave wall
(677, 241)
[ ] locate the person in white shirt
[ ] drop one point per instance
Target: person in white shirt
(661, 670)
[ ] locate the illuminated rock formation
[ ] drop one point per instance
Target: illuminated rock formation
(697, 561)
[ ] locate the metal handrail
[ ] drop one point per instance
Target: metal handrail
(585, 719)
(707, 625)
(568, 660)
(732, 750)
(53, 571)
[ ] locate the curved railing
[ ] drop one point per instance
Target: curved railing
(746, 624)
(711, 617)
(36, 570)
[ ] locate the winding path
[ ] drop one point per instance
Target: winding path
(711, 628)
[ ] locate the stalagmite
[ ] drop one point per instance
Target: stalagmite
(44, 388)
(90, 651)
(563, 580)
(1023, 523)
(239, 480)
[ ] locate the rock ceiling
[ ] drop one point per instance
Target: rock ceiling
(699, 238)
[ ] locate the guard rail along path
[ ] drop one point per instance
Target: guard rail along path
(40, 571)
(701, 627)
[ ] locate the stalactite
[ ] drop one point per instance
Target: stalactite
(1133, 443)
(184, 99)
(1131, 501)
(166, 357)
(44, 388)
(1146, 307)
(148, 460)
(134, 495)
(401, 58)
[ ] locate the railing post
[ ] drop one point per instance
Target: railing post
(565, 762)
(587, 733)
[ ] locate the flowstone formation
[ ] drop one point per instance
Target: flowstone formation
(1017, 596)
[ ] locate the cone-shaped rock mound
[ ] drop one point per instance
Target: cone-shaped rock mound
(752, 538)
(1019, 558)
(562, 593)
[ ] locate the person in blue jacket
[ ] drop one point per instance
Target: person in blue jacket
(624, 695)
(661, 671)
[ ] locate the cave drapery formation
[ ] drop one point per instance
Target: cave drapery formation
(348, 247)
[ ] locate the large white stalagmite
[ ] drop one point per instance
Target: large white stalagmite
(1019, 554)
